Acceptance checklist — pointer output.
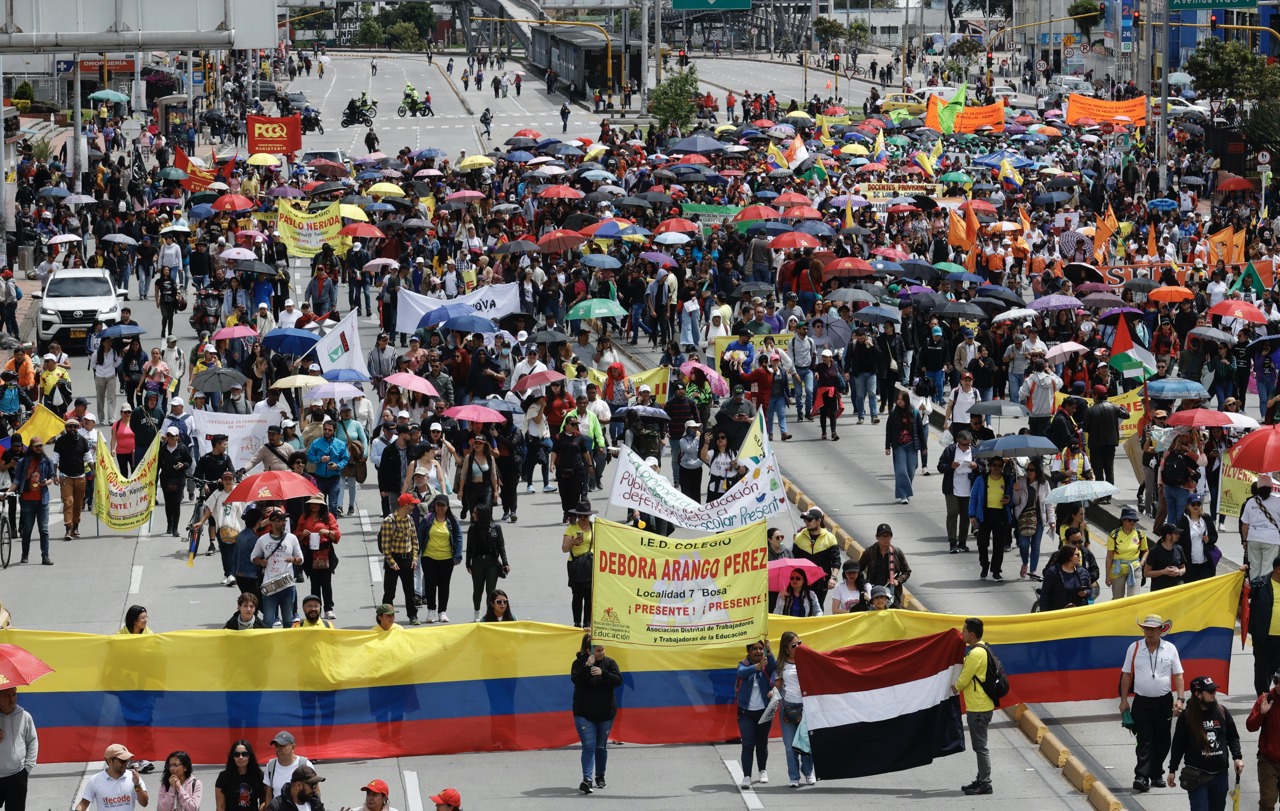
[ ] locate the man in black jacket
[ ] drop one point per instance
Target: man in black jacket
(1064, 430)
(69, 451)
(957, 466)
(173, 463)
(392, 469)
(1266, 637)
(1102, 424)
(300, 792)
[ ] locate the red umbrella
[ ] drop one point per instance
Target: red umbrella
(1258, 451)
(791, 199)
(1171, 293)
(902, 208)
(678, 225)
(274, 485)
(780, 572)
(978, 205)
(561, 239)
(793, 239)
(849, 266)
(232, 202)
(528, 134)
(835, 110)
(693, 157)
(537, 379)
(762, 122)
(412, 382)
(238, 331)
(872, 167)
(474, 413)
(361, 229)
(1201, 418)
(19, 667)
(1238, 309)
(1235, 184)
(802, 213)
(756, 212)
(561, 193)
(892, 254)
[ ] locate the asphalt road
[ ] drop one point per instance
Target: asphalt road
(101, 574)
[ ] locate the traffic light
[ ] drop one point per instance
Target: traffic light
(991, 59)
(1137, 18)
(684, 58)
(1102, 11)
(1213, 23)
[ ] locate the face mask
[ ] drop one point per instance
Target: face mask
(505, 351)
(1264, 492)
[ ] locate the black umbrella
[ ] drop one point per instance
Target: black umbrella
(961, 309)
(1081, 273)
(579, 220)
(999, 408)
(218, 380)
(995, 291)
(1061, 182)
(550, 336)
(856, 231)
(631, 202)
(990, 307)
(416, 223)
(517, 246)
(520, 142)
(357, 200)
(252, 266)
(927, 302)
(919, 269)
(1140, 284)
(751, 288)
(850, 294)
(656, 197)
(1016, 445)
(326, 188)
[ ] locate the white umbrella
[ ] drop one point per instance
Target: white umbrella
(237, 254)
(1063, 351)
(1020, 314)
(671, 238)
(176, 229)
(334, 391)
(61, 238)
(123, 239)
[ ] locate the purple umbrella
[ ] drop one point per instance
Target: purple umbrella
(1069, 241)
(286, 191)
(662, 259)
(165, 201)
(1014, 129)
(1055, 302)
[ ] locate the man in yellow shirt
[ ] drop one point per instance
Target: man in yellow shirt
(311, 618)
(977, 704)
(54, 378)
(1126, 552)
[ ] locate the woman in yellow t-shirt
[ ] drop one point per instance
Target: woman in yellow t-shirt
(1126, 552)
(579, 540)
(440, 539)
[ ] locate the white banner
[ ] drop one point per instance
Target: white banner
(757, 496)
(245, 433)
(492, 301)
(340, 349)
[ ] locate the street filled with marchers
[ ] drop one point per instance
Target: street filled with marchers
(638, 315)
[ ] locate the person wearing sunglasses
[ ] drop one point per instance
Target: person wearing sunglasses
(118, 787)
(499, 608)
(792, 711)
(798, 600)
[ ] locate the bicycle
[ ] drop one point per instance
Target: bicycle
(6, 535)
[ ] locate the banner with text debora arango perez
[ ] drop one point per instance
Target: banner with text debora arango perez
(653, 591)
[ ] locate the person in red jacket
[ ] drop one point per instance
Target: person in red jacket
(1266, 717)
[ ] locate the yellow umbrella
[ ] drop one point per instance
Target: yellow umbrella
(725, 128)
(299, 382)
(798, 114)
(386, 190)
(1050, 170)
(352, 212)
(263, 159)
(854, 149)
(1088, 230)
(474, 162)
(596, 151)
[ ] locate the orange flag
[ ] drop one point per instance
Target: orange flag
(1237, 248)
(1103, 232)
(971, 259)
(971, 227)
(1220, 245)
(1024, 220)
(932, 117)
(1151, 241)
(956, 234)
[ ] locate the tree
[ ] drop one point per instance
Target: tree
(673, 100)
(25, 92)
(827, 30)
(370, 32)
(859, 34)
(1228, 70)
(1086, 23)
(966, 48)
(419, 15)
(404, 36)
(1261, 126)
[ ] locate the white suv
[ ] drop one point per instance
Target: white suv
(71, 301)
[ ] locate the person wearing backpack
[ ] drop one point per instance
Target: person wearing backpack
(979, 706)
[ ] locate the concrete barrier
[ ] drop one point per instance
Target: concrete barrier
(1078, 775)
(1054, 750)
(1031, 725)
(1101, 798)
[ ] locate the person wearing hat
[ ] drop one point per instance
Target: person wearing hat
(885, 564)
(1206, 736)
(1166, 563)
(69, 452)
(118, 787)
(398, 544)
(572, 463)
(1126, 554)
(385, 618)
(54, 381)
(276, 552)
(447, 800)
(1198, 537)
(1037, 394)
(1148, 495)
(311, 618)
(300, 793)
(1152, 670)
(376, 797)
(853, 592)
(578, 542)
(172, 464)
(318, 534)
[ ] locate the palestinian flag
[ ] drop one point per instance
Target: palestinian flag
(883, 706)
(1129, 357)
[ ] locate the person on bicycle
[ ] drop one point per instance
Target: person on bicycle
(172, 465)
(14, 401)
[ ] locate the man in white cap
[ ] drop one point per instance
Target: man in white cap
(118, 787)
(1152, 669)
(236, 403)
(529, 364)
(89, 430)
(264, 321)
(1260, 525)
(173, 355)
(289, 315)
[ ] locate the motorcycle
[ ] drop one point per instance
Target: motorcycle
(411, 107)
(311, 122)
(360, 118)
(370, 108)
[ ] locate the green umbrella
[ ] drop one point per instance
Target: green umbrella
(956, 177)
(202, 197)
(595, 308)
(108, 95)
(949, 267)
(899, 140)
(173, 173)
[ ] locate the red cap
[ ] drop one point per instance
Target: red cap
(378, 787)
(407, 499)
(449, 796)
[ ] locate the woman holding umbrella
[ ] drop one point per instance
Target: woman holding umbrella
(798, 600)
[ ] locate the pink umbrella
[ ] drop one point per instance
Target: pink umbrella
(473, 413)
(719, 386)
(238, 331)
(412, 382)
(780, 572)
(377, 263)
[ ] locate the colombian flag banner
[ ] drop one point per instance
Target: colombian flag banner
(505, 686)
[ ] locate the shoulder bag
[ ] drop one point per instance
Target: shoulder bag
(580, 566)
(277, 584)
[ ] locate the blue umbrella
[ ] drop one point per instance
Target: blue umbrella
(816, 228)
(546, 142)
(770, 228)
(765, 194)
(601, 261)
(443, 313)
(697, 144)
(290, 341)
(519, 156)
(885, 266)
(368, 176)
(966, 277)
(379, 207)
(470, 323)
(345, 376)
(430, 152)
(1163, 204)
(54, 191)
(122, 331)
(201, 212)
(1176, 388)
(878, 314)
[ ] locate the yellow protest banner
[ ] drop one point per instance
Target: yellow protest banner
(656, 379)
(42, 423)
(305, 233)
(1131, 401)
(657, 592)
(1233, 488)
(783, 342)
(125, 502)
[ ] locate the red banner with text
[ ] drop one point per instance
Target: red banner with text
(274, 135)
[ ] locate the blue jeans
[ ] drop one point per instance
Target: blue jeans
(1222, 391)
(145, 273)
(864, 393)
(595, 739)
(1266, 388)
(690, 326)
(1176, 498)
(795, 763)
(279, 605)
(331, 488)
(1029, 548)
(760, 272)
(637, 322)
(777, 413)
(1015, 384)
(35, 514)
(807, 302)
(804, 395)
(904, 470)
(354, 293)
(1212, 796)
(939, 379)
(755, 738)
(349, 484)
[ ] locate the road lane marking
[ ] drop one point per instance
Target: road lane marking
(375, 569)
(366, 526)
(135, 580)
(90, 769)
(749, 795)
(412, 792)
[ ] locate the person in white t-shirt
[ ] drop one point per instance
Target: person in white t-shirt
(289, 315)
(117, 787)
(279, 770)
(277, 552)
(853, 593)
(957, 465)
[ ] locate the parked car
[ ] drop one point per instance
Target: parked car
(911, 102)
